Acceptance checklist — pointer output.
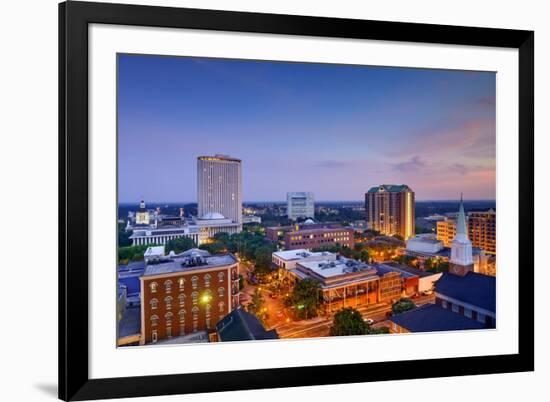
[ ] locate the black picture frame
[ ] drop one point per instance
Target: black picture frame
(74, 18)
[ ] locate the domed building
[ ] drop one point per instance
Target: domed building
(211, 223)
(142, 215)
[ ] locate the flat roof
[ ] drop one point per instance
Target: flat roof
(406, 269)
(386, 268)
(179, 263)
(330, 269)
(300, 254)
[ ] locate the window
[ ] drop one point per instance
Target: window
(154, 336)
(181, 282)
(168, 317)
(168, 286)
(153, 287)
(169, 332)
(154, 320)
(221, 292)
(207, 280)
(207, 309)
(221, 305)
(195, 296)
(154, 304)
(194, 281)
(168, 302)
(181, 315)
(181, 299)
(182, 329)
(207, 322)
(221, 277)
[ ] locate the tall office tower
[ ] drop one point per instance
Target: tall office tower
(482, 230)
(390, 210)
(461, 261)
(300, 205)
(219, 188)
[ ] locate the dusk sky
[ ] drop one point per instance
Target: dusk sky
(334, 130)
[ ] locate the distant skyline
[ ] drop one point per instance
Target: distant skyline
(334, 130)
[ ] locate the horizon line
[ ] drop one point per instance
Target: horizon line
(316, 201)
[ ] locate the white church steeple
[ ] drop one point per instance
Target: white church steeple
(461, 261)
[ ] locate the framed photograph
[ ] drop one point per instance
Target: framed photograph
(257, 200)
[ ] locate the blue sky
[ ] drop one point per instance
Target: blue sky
(335, 130)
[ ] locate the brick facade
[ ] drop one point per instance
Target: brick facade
(180, 303)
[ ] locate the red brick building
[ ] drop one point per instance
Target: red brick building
(319, 237)
(186, 293)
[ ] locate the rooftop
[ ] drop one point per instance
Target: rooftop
(405, 273)
(342, 266)
(240, 325)
(189, 260)
(300, 254)
(431, 318)
(424, 239)
(473, 288)
(154, 251)
(406, 269)
(218, 157)
(390, 188)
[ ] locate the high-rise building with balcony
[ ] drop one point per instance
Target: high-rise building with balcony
(219, 187)
(390, 210)
(481, 230)
(300, 205)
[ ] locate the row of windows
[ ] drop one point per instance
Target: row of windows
(181, 298)
(168, 330)
(153, 286)
(181, 314)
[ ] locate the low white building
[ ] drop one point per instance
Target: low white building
(252, 219)
(197, 229)
(288, 259)
(424, 244)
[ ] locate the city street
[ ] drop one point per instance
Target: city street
(320, 326)
(316, 327)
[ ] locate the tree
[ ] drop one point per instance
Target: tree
(429, 264)
(132, 253)
(123, 236)
(402, 305)
(180, 245)
(257, 306)
(348, 321)
(305, 298)
(213, 248)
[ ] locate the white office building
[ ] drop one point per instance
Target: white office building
(219, 187)
(300, 205)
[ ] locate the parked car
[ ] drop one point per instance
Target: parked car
(369, 321)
